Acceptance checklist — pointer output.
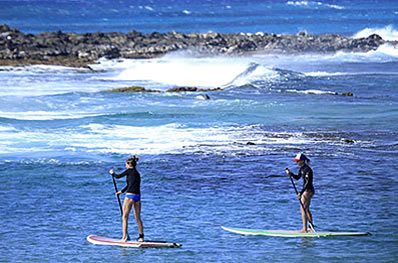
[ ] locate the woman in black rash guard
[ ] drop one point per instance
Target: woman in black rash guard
(133, 196)
(308, 190)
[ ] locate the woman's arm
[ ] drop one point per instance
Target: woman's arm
(117, 176)
(292, 174)
(124, 189)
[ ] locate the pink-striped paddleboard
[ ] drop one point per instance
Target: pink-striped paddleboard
(98, 240)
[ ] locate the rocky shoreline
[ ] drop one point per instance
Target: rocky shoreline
(204, 96)
(79, 50)
(176, 89)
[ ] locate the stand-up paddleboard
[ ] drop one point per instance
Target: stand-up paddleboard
(290, 233)
(98, 240)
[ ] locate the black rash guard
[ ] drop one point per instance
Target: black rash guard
(133, 180)
(306, 173)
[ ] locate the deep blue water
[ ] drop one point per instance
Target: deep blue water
(60, 135)
(345, 17)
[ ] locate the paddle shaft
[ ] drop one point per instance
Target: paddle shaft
(118, 198)
(301, 203)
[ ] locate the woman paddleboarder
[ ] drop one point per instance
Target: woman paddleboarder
(308, 190)
(132, 198)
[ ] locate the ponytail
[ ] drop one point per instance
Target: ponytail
(132, 161)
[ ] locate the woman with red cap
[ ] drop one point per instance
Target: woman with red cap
(308, 190)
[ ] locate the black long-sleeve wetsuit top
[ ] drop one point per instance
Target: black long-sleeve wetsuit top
(133, 180)
(305, 172)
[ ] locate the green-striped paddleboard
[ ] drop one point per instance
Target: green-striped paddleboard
(290, 233)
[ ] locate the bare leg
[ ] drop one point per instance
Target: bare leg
(126, 212)
(303, 218)
(137, 215)
(306, 201)
(308, 210)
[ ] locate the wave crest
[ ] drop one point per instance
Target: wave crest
(313, 4)
(387, 33)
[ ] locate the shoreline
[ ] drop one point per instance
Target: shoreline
(80, 50)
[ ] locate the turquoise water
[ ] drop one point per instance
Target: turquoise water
(60, 135)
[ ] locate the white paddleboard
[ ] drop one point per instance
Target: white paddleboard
(290, 233)
(98, 240)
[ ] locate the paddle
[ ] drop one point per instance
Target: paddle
(118, 198)
(301, 203)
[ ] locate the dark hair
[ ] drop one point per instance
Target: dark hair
(132, 161)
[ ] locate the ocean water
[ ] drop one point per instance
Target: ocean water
(60, 135)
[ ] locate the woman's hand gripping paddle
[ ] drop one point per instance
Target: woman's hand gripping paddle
(301, 203)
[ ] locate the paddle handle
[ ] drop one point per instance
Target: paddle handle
(118, 198)
(301, 203)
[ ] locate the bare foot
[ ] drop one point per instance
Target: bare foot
(303, 231)
(124, 239)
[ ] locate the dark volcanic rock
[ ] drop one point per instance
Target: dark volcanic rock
(207, 90)
(74, 49)
(177, 89)
(182, 89)
(348, 141)
(132, 89)
(349, 94)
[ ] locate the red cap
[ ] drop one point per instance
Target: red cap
(300, 157)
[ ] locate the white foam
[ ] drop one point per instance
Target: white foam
(175, 70)
(45, 115)
(339, 7)
(183, 71)
(298, 3)
(113, 138)
(387, 50)
(313, 4)
(42, 80)
(123, 139)
(312, 91)
(331, 74)
(259, 73)
(387, 32)
(159, 139)
(324, 74)
(40, 69)
(6, 128)
(385, 53)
